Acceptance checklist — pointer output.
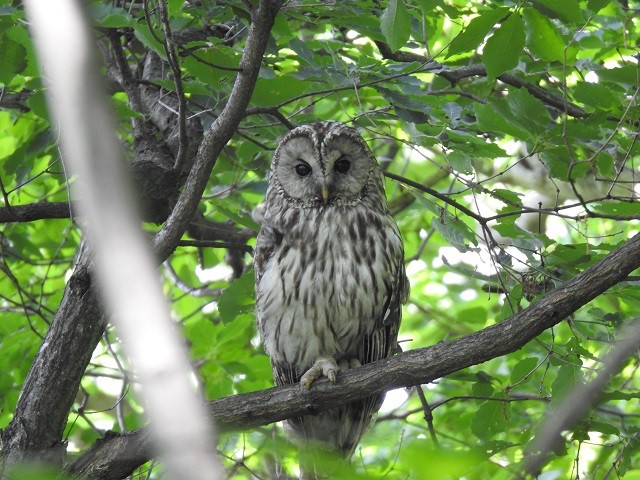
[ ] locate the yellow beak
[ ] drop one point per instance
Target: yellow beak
(325, 193)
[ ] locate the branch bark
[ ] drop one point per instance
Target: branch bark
(52, 383)
(34, 211)
(410, 368)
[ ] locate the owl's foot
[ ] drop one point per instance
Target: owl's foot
(323, 367)
(349, 364)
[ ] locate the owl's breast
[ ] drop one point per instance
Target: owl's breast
(327, 283)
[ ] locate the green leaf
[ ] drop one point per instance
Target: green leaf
(596, 5)
(175, 6)
(271, 91)
(502, 51)
(457, 233)
(395, 24)
(567, 10)
(567, 378)
(522, 369)
(460, 161)
(508, 197)
(568, 255)
(475, 32)
(142, 33)
(238, 298)
(543, 39)
(606, 428)
(206, 73)
(529, 111)
(595, 95)
(482, 389)
(489, 419)
(489, 120)
(618, 208)
(108, 16)
(38, 104)
(12, 61)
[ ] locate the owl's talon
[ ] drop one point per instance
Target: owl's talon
(323, 367)
(354, 363)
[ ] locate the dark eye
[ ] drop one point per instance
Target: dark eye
(303, 169)
(342, 165)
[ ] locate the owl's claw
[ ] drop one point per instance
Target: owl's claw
(349, 364)
(323, 367)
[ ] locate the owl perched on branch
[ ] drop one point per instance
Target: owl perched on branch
(330, 277)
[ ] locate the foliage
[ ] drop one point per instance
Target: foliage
(530, 119)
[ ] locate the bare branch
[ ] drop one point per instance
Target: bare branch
(34, 211)
(454, 75)
(183, 139)
(221, 130)
(410, 368)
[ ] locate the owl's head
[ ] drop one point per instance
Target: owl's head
(322, 163)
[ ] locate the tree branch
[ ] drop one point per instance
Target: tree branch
(34, 211)
(122, 453)
(222, 128)
(454, 75)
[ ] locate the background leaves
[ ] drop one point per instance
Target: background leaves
(546, 155)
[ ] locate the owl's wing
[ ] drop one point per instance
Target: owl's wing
(267, 242)
(382, 342)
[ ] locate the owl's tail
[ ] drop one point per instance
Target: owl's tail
(329, 439)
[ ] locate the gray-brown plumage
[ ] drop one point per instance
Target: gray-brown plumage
(330, 277)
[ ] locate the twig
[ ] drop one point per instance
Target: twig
(183, 138)
(428, 415)
(211, 244)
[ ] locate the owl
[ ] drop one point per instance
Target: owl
(329, 271)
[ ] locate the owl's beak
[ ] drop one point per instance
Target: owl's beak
(325, 193)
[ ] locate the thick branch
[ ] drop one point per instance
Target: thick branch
(221, 130)
(406, 369)
(34, 211)
(52, 383)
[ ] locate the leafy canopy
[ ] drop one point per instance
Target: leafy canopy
(526, 113)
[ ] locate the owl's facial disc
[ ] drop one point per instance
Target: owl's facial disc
(348, 165)
(326, 170)
(299, 170)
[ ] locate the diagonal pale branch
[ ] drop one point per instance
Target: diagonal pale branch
(49, 390)
(116, 455)
(579, 401)
(124, 264)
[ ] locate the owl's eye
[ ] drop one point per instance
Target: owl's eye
(342, 165)
(303, 169)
